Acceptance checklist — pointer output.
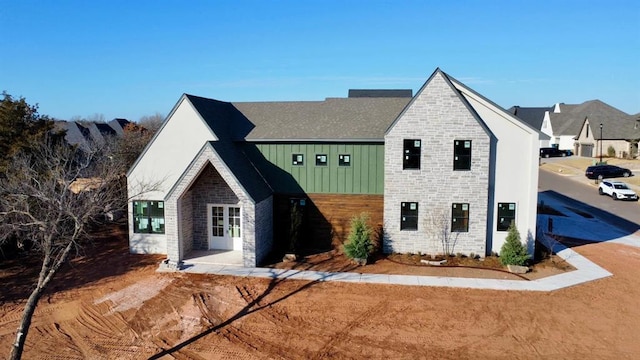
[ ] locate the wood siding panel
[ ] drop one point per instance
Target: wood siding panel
(327, 219)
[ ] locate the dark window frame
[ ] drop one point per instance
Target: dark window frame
(321, 163)
(462, 156)
(411, 154)
(297, 159)
(459, 216)
(152, 215)
(506, 215)
(344, 160)
(408, 216)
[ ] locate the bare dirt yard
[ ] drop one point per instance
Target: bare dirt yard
(112, 305)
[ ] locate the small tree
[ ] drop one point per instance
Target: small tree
(513, 252)
(611, 151)
(359, 244)
(439, 226)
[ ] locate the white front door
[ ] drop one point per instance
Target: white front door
(225, 225)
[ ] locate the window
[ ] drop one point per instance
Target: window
(462, 155)
(459, 217)
(297, 159)
(411, 154)
(409, 216)
(344, 160)
(321, 160)
(148, 217)
(506, 215)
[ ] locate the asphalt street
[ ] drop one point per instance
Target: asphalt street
(582, 194)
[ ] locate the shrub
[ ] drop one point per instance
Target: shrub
(513, 252)
(359, 245)
(611, 152)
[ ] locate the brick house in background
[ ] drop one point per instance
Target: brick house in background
(576, 127)
(233, 172)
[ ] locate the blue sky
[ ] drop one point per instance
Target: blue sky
(134, 58)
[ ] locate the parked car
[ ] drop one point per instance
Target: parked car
(606, 171)
(554, 152)
(617, 190)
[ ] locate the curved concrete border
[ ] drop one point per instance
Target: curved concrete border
(585, 271)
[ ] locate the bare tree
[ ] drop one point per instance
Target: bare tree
(151, 122)
(548, 240)
(438, 225)
(50, 198)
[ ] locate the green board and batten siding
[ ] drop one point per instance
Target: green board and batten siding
(364, 176)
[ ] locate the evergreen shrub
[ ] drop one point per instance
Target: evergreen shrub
(359, 244)
(513, 252)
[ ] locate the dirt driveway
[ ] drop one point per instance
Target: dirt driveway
(112, 305)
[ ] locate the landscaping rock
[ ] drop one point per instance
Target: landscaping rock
(360, 261)
(289, 258)
(435, 263)
(516, 269)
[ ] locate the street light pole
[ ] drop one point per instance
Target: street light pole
(600, 143)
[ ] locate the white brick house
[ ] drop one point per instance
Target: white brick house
(227, 170)
(471, 160)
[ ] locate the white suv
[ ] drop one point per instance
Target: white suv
(617, 190)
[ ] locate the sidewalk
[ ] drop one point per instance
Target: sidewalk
(572, 225)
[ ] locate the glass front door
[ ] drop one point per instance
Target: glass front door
(225, 227)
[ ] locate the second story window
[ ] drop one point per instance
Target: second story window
(321, 160)
(411, 154)
(297, 159)
(344, 160)
(462, 155)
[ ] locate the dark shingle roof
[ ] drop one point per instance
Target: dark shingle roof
(358, 119)
(616, 123)
(530, 115)
(248, 176)
(339, 119)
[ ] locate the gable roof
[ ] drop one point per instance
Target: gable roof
(533, 116)
(616, 123)
(240, 169)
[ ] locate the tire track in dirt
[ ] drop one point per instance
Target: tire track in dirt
(311, 332)
(341, 336)
(251, 342)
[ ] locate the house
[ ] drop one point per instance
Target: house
(81, 134)
(535, 117)
(240, 176)
(565, 126)
(603, 128)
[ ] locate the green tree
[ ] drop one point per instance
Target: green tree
(359, 244)
(513, 252)
(21, 128)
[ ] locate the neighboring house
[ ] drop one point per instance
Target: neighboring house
(603, 127)
(232, 173)
(565, 126)
(82, 133)
(535, 117)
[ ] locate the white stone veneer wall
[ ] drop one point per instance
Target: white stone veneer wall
(437, 117)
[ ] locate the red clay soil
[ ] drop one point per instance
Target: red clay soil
(112, 305)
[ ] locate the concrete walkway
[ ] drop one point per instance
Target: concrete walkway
(572, 225)
(586, 271)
